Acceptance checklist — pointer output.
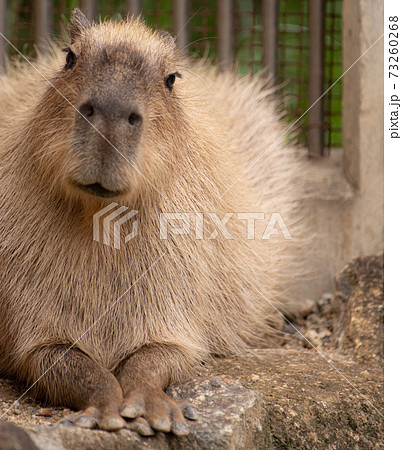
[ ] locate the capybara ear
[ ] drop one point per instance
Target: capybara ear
(166, 37)
(78, 24)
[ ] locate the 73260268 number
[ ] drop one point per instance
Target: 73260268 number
(393, 44)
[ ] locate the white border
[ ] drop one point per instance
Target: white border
(393, 239)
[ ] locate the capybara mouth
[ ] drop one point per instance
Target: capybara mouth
(98, 190)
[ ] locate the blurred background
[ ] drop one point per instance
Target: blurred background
(298, 42)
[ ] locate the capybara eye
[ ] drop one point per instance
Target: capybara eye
(169, 81)
(70, 60)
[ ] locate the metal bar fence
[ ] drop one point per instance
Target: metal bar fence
(181, 23)
(297, 43)
(134, 7)
(89, 8)
(315, 129)
(270, 36)
(225, 34)
(3, 31)
(43, 24)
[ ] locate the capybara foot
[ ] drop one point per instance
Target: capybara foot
(94, 417)
(152, 409)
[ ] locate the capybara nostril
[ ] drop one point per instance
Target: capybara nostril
(135, 119)
(86, 109)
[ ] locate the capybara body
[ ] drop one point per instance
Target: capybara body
(123, 117)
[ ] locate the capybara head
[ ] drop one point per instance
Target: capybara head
(123, 107)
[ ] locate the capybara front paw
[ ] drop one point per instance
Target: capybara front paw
(151, 409)
(94, 417)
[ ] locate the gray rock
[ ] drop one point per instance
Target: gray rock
(309, 402)
(13, 437)
(359, 307)
(228, 418)
(229, 414)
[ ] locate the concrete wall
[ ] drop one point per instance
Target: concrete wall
(344, 192)
(367, 175)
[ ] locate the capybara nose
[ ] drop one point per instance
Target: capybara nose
(86, 109)
(110, 112)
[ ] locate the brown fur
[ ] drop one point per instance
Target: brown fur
(202, 297)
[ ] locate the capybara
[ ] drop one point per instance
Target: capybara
(122, 117)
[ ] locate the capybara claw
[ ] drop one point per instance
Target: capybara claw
(189, 412)
(130, 412)
(141, 426)
(86, 422)
(112, 424)
(180, 429)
